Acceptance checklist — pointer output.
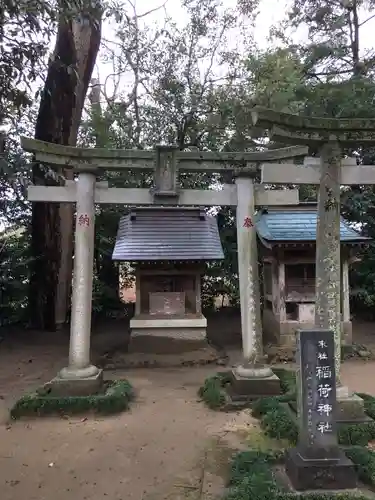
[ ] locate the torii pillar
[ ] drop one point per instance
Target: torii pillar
(327, 137)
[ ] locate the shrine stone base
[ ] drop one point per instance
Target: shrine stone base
(321, 474)
(70, 387)
(167, 335)
(351, 410)
(246, 389)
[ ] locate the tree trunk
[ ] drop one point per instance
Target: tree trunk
(328, 282)
(59, 116)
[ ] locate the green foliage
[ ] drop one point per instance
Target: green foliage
(364, 460)
(116, 399)
(14, 261)
(189, 85)
(252, 473)
(252, 477)
(287, 381)
(212, 392)
(278, 420)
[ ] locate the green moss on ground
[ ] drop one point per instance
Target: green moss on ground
(212, 392)
(115, 399)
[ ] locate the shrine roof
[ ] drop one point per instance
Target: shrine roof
(298, 224)
(167, 233)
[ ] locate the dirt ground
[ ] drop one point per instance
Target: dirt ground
(169, 446)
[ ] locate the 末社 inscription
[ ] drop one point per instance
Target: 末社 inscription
(317, 462)
(317, 394)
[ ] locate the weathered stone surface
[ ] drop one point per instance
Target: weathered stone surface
(264, 117)
(338, 474)
(351, 410)
(248, 389)
(317, 462)
(59, 387)
(168, 303)
(328, 263)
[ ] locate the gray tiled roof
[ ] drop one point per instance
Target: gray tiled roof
(149, 234)
(297, 225)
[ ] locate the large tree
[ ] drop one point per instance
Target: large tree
(69, 72)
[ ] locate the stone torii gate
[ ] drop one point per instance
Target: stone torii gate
(328, 137)
(165, 163)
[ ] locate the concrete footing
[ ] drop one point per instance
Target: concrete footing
(351, 409)
(73, 386)
(244, 389)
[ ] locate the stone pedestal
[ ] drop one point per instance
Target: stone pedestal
(249, 383)
(320, 474)
(350, 408)
(66, 384)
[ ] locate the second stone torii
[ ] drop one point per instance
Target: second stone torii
(328, 137)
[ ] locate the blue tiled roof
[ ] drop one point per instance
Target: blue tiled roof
(297, 225)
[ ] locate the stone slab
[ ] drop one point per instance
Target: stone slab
(244, 389)
(316, 390)
(166, 344)
(307, 475)
(59, 387)
(351, 409)
(121, 360)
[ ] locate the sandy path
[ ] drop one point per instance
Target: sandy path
(156, 451)
(162, 449)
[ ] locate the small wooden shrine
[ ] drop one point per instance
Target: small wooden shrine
(287, 240)
(169, 248)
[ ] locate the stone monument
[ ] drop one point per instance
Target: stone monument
(317, 462)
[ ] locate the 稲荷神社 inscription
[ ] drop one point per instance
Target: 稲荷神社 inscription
(317, 391)
(317, 462)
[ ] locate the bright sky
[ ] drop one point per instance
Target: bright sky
(271, 12)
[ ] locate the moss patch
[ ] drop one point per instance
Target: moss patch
(115, 399)
(213, 393)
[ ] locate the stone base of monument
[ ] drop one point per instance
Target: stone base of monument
(248, 384)
(320, 474)
(350, 408)
(68, 383)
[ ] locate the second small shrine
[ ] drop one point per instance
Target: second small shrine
(287, 242)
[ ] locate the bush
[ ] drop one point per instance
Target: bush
(212, 392)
